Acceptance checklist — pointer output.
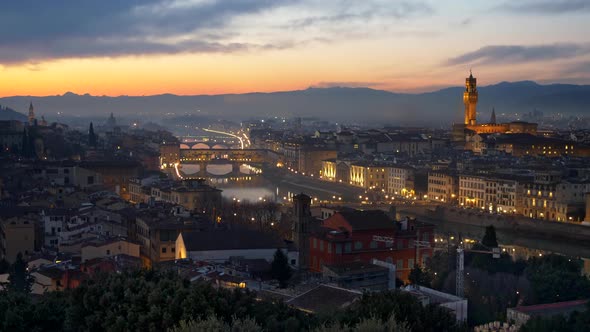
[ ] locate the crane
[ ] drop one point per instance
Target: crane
(460, 271)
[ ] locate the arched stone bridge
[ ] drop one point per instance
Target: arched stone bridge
(199, 163)
(203, 146)
(249, 156)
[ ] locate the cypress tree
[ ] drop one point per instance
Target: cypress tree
(24, 151)
(32, 150)
(91, 136)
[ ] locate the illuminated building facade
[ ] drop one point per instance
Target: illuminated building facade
(370, 175)
(470, 97)
(329, 170)
(401, 181)
(443, 186)
(561, 201)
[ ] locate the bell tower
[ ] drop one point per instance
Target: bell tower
(301, 227)
(31, 116)
(470, 99)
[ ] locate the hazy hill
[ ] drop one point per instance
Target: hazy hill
(338, 104)
(10, 114)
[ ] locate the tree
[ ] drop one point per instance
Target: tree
(576, 321)
(4, 266)
(280, 268)
(418, 276)
(19, 278)
(382, 305)
(556, 278)
(214, 324)
(163, 301)
(489, 239)
(31, 148)
(24, 151)
(91, 135)
(371, 324)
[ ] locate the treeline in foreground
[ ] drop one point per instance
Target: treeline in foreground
(162, 301)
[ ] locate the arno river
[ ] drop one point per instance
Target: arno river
(280, 186)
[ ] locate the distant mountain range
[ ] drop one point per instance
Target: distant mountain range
(339, 104)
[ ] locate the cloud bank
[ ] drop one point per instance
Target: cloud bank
(34, 31)
(508, 54)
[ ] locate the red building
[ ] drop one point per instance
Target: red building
(360, 236)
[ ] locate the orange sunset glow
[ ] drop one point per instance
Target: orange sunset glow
(284, 45)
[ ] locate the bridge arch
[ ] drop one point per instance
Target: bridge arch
(200, 145)
(220, 169)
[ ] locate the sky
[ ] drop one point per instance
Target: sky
(189, 47)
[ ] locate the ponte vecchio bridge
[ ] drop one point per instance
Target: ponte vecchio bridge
(203, 160)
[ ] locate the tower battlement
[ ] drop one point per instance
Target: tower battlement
(470, 97)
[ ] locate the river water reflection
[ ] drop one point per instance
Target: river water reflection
(254, 187)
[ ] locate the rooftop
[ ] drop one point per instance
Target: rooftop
(552, 308)
(230, 240)
(355, 268)
(324, 298)
(367, 220)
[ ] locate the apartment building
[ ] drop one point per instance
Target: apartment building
(401, 181)
(443, 186)
(472, 191)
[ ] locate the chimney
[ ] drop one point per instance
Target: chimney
(587, 207)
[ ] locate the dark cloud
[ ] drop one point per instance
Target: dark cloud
(392, 10)
(504, 54)
(546, 6)
(32, 31)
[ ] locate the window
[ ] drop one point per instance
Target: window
(163, 250)
(348, 247)
(400, 264)
(358, 245)
(173, 250)
(373, 245)
(315, 243)
(329, 247)
(90, 180)
(321, 245)
(410, 263)
(108, 252)
(338, 248)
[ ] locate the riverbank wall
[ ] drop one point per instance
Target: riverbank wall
(511, 223)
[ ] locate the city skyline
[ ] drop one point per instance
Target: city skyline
(212, 47)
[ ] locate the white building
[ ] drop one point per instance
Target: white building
(401, 181)
(427, 296)
(472, 191)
